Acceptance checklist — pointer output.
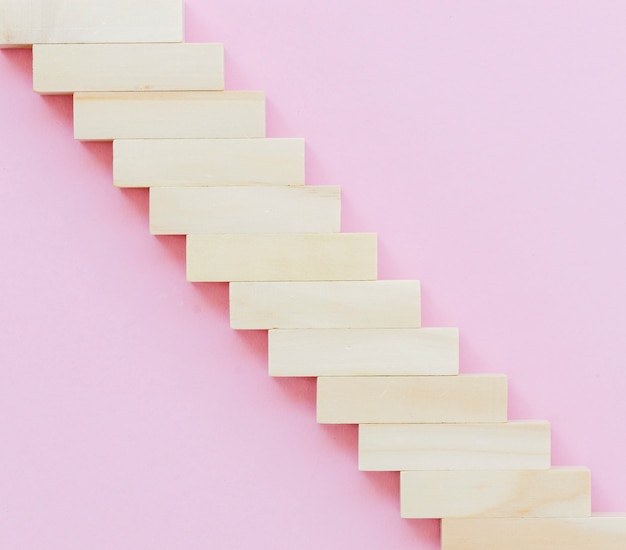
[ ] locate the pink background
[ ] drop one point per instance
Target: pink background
(483, 141)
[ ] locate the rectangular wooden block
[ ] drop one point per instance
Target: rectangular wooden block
(27, 22)
(202, 210)
(599, 532)
(364, 352)
(69, 68)
(105, 116)
(208, 162)
(282, 257)
(411, 399)
(559, 492)
(359, 304)
(509, 446)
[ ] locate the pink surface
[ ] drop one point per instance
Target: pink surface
(483, 141)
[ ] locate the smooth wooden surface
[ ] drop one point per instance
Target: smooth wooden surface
(207, 162)
(69, 68)
(509, 446)
(27, 22)
(105, 116)
(406, 399)
(282, 257)
(364, 352)
(558, 492)
(360, 304)
(203, 210)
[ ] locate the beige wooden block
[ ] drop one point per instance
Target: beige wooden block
(559, 492)
(509, 446)
(69, 68)
(27, 22)
(207, 162)
(202, 210)
(599, 532)
(105, 116)
(411, 399)
(359, 304)
(364, 352)
(282, 257)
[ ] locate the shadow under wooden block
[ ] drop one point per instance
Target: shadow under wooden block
(558, 492)
(106, 116)
(358, 304)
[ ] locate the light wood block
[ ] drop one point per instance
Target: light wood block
(510, 446)
(411, 399)
(559, 492)
(364, 352)
(207, 162)
(27, 22)
(282, 257)
(360, 304)
(202, 210)
(105, 116)
(69, 68)
(599, 532)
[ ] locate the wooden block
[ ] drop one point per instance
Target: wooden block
(364, 352)
(207, 162)
(361, 304)
(202, 210)
(510, 446)
(69, 68)
(105, 116)
(599, 532)
(559, 492)
(282, 257)
(27, 22)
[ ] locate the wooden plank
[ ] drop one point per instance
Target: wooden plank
(509, 446)
(27, 22)
(364, 352)
(69, 68)
(599, 532)
(559, 492)
(282, 257)
(105, 116)
(202, 210)
(360, 304)
(207, 162)
(411, 399)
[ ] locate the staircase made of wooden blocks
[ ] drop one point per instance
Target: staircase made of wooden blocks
(249, 219)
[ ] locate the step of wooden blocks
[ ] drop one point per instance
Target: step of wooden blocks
(558, 492)
(364, 352)
(106, 116)
(27, 22)
(411, 399)
(282, 257)
(69, 68)
(508, 446)
(598, 532)
(359, 304)
(267, 209)
(208, 162)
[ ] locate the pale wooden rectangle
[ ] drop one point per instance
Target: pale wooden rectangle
(69, 68)
(364, 352)
(601, 532)
(208, 162)
(359, 304)
(282, 257)
(509, 446)
(558, 492)
(411, 399)
(203, 210)
(27, 22)
(106, 116)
